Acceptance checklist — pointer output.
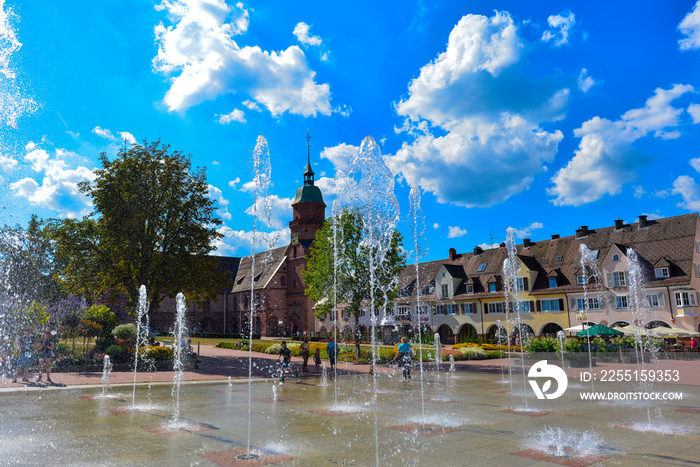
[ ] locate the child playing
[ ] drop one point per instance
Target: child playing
(317, 359)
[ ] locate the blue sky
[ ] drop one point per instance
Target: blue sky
(540, 117)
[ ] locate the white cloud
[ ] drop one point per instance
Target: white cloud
(436, 225)
(560, 27)
(455, 231)
(695, 163)
(278, 209)
(488, 113)
(234, 182)
(639, 191)
(301, 31)
(204, 61)
(103, 133)
(252, 105)
(605, 159)
(527, 231)
(689, 190)
(58, 190)
(218, 196)
(240, 242)
(128, 137)
(215, 163)
(694, 111)
(585, 82)
(235, 116)
(486, 246)
(690, 27)
(340, 155)
(108, 135)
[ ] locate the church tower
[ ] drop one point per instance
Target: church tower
(309, 215)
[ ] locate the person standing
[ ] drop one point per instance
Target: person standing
(26, 354)
(286, 356)
(317, 359)
(46, 354)
(304, 351)
(405, 357)
(332, 351)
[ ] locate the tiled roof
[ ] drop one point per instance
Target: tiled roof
(267, 264)
(671, 238)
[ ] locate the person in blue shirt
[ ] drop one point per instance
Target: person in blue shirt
(332, 351)
(405, 357)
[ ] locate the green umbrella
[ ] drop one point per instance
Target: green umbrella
(599, 330)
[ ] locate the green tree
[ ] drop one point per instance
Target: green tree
(153, 224)
(27, 265)
(352, 273)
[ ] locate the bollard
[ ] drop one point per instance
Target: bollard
(198, 348)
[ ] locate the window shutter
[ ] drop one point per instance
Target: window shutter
(626, 275)
(574, 304)
(561, 304)
(539, 305)
(609, 278)
(662, 299)
(525, 285)
(532, 306)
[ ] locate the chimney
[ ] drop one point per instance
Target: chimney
(503, 244)
(642, 222)
(582, 232)
(478, 250)
(555, 236)
(453, 254)
(527, 242)
(618, 223)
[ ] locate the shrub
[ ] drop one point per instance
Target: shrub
(465, 344)
(542, 344)
(104, 341)
(101, 315)
(276, 348)
(125, 333)
(474, 353)
(234, 345)
(118, 354)
(494, 354)
(160, 353)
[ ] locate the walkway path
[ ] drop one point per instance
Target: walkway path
(220, 364)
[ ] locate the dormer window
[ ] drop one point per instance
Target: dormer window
(616, 257)
(552, 282)
(482, 267)
(445, 291)
(582, 280)
(661, 273)
(492, 287)
(559, 258)
(470, 289)
(595, 253)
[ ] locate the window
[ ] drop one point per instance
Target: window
(525, 307)
(661, 272)
(616, 257)
(424, 310)
(520, 283)
(492, 287)
(593, 303)
(445, 291)
(495, 307)
(697, 269)
(469, 308)
(655, 300)
(697, 246)
(552, 282)
(482, 267)
(685, 298)
(550, 305)
(617, 279)
(582, 280)
(621, 301)
(402, 311)
(442, 310)
(559, 258)
(282, 281)
(595, 253)
(470, 288)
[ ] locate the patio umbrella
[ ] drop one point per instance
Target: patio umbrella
(600, 330)
(578, 328)
(663, 331)
(631, 330)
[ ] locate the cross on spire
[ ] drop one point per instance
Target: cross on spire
(309, 173)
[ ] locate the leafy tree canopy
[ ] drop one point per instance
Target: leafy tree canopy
(153, 224)
(350, 274)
